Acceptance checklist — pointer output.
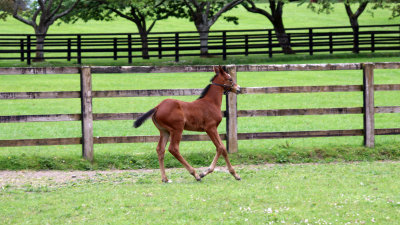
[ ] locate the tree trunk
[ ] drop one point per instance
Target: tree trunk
(283, 38)
(145, 45)
(204, 43)
(40, 38)
(355, 27)
(40, 32)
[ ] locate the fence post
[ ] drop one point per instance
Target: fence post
(368, 99)
(330, 43)
(21, 42)
(224, 45)
(176, 47)
(310, 39)
(79, 53)
(115, 49)
(231, 115)
(69, 49)
(28, 49)
(159, 47)
(87, 113)
(129, 48)
(270, 43)
(246, 45)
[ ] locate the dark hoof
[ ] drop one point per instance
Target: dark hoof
(166, 181)
(198, 179)
(202, 175)
(238, 178)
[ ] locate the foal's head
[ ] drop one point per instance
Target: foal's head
(224, 80)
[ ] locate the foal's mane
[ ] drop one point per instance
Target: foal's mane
(205, 90)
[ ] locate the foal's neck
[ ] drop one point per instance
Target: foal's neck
(214, 95)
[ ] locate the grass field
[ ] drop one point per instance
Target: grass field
(328, 193)
(356, 193)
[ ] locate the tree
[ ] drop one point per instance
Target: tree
(326, 6)
(140, 12)
(6, 8)
(275, 17)
(204, 14)
(40, 15)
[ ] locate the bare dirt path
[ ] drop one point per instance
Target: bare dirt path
(55, 178)
(60, 178)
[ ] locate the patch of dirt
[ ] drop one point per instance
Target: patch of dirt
(55, 178)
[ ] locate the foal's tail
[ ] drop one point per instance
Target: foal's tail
(143, 118)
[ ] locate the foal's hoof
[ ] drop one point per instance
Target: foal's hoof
(198, 178)
(166, 181)
(237, 177)
(202, 175)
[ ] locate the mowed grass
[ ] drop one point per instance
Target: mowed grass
(357, 193)
(143, 155)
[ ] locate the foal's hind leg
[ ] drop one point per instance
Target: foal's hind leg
(174, 150)
(164, 135)
(213, 134)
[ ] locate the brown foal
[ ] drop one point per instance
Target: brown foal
(172, 116)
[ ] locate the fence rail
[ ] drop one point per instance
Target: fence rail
(87, 116)
(223, 43)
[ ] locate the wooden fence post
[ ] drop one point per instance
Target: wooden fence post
(115, 42)
(368, 93)
(129, 48)
(176, 47)
(224, 45)
(159, 47)
(28, 49)
(231, 115)
(246, 45)
(69, 49)
(79, 48)
(87, 113)
(21, 43)
(310, 41)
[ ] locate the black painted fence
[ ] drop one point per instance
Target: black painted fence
(223, 43)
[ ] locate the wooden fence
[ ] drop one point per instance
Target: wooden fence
(87, 117)
(128, 46)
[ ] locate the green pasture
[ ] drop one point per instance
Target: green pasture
(198, 153)
(355, 193)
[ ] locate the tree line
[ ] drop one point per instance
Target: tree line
(41, 14)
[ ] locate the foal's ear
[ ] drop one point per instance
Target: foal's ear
(221, 69)
(216, 70)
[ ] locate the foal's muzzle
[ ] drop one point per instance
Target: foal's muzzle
(237, 89)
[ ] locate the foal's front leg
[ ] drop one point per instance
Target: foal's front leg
(214, 136)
